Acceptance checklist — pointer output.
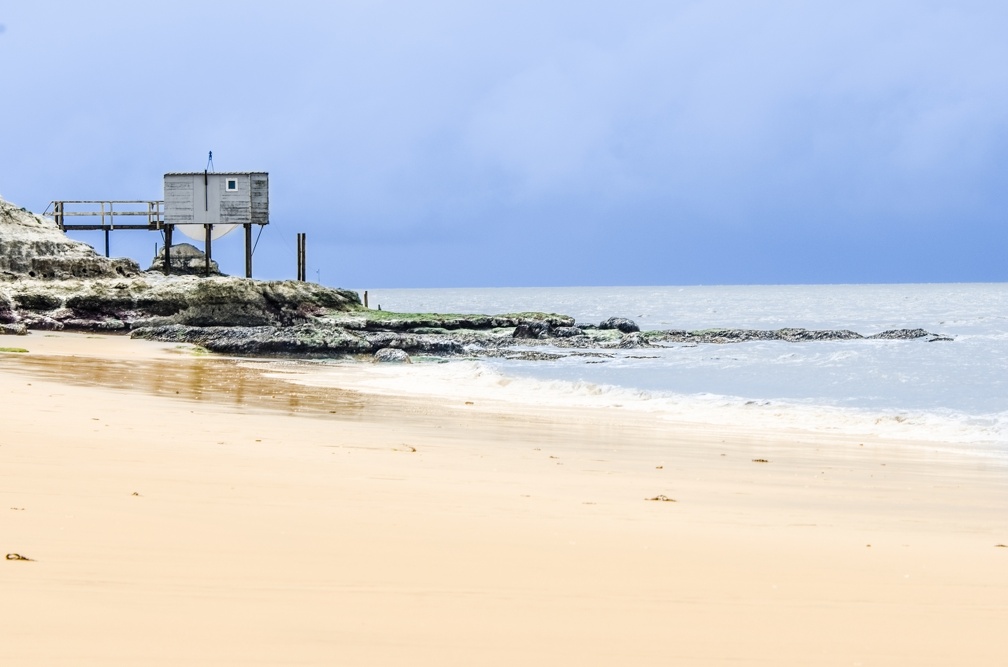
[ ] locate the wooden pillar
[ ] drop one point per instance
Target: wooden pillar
(167, 248)
(248, 250)
(208, 233)
(106, 242)
(301, 259)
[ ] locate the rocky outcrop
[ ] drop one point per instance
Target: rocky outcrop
(50, 282)
(313, 339)
(154, 300)
(790, 335)
(621, 324)
(902, 334)
(391, 355)
(533, 330)
(185, 260)
(32, 246)
(13, 330)
(330, 336)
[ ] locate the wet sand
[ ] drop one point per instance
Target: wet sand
(182, 508)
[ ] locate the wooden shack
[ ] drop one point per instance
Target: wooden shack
(207, 205)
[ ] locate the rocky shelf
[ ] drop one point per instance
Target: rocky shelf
(50, 282)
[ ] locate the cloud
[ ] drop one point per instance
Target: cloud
(564, 132)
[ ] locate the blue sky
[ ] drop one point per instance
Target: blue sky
(512, 143)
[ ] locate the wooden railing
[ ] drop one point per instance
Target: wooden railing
(106, 211)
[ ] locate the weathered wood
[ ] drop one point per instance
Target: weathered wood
(301, 256)
(167, 248)
(248, 250)
(209, 235)
(105, 210)
(98, 227)
(229, 198)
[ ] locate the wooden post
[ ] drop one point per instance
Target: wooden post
(365, 298)
(167, 248)
(248, 250)
(106, 241)
(302, 260)
(208, 232)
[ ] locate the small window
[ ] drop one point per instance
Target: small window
(232, 184)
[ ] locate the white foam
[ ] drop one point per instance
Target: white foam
(460, 381)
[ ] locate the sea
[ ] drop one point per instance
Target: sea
(952, 392)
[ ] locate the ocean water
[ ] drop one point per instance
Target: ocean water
(953, 392)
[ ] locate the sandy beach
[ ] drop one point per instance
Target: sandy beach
(180, 508)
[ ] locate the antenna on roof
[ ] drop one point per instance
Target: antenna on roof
(209, 164)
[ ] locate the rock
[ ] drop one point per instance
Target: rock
(186, 260)
(526, 355)
(901, 334)
(6, 309)
(39, 301)
(385, 321)
(13, 330)
(32, 246)
(633, 340)
(722, 336)
(621, 324)
(413, 342)
(154, 299)
(392, 355)
(567, 332)
(533, 330)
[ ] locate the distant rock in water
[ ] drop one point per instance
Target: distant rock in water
(902, 334)
(621, 324)
(567, 332)
(532, 330)
(32, 246)
(186, 260)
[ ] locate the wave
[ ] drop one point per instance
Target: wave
(980, 434)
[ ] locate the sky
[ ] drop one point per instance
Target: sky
(491, 143)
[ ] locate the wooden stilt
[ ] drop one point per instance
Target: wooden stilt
(248, 250)
(208, 232)
(167, 248)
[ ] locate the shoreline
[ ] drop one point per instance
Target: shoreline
(463, 380)
(283, 523)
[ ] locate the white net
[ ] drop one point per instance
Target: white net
(198, 232)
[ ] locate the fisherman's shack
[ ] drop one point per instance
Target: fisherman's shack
(207, 205)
